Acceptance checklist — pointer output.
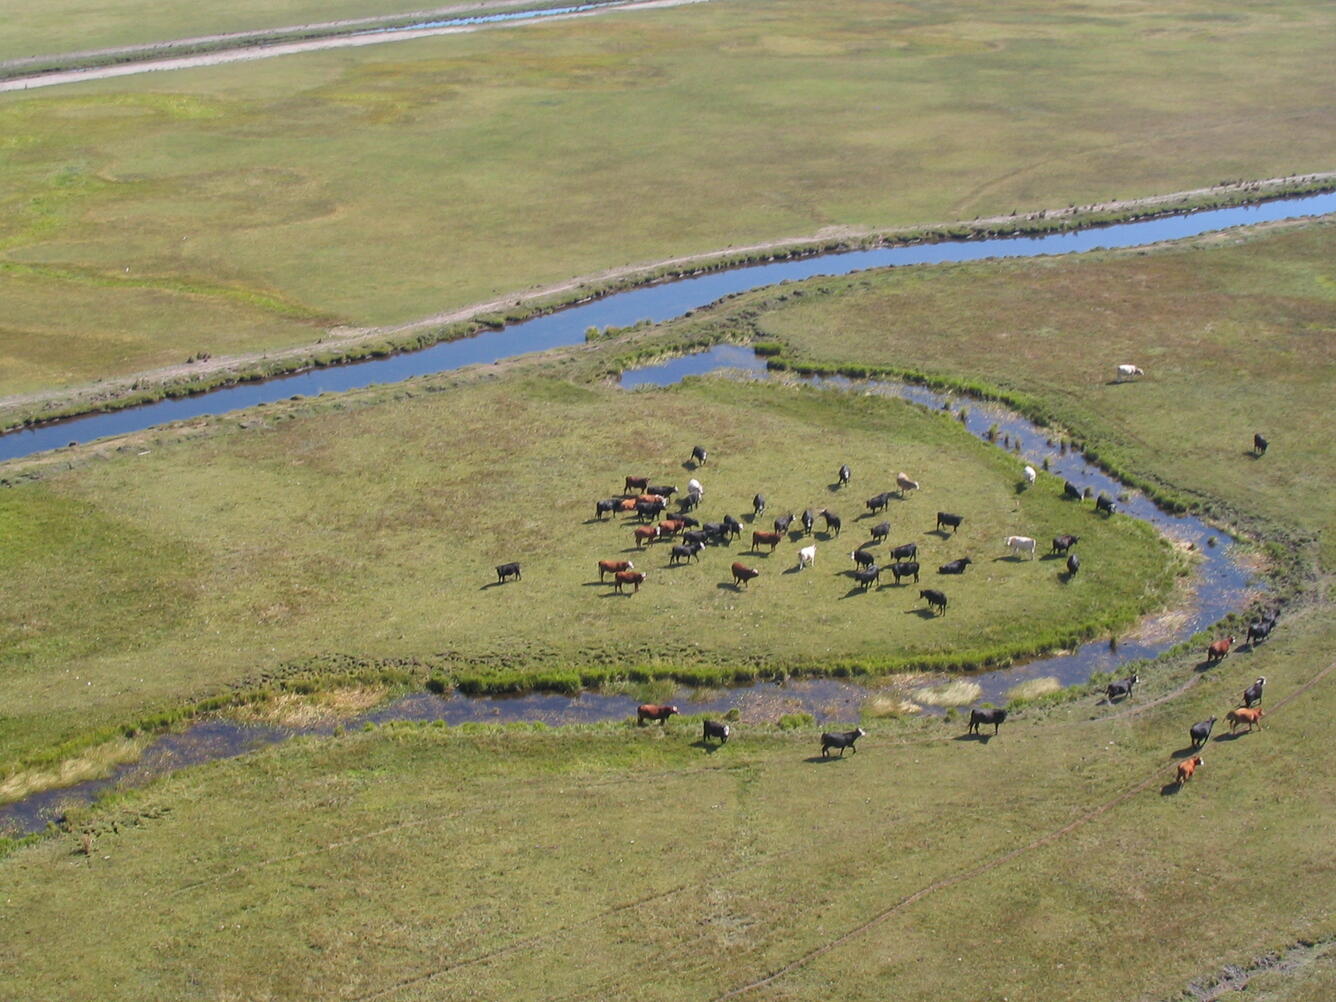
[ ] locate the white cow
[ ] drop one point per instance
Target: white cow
(904, 483)
(694, 487)
(1021, 544)
(1126, 371)
(807, 556)
(1030, 475)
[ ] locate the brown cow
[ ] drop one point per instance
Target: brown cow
(1217, 651)
(606, 567)
(635, 484)
(652, 711)
(743, 574)
(627, 578)
(1244, 716)
(1186, 769)
(646, 534)
(772, 539)
(627, 504)
(671, 527)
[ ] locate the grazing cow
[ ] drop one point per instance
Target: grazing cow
(1073, 564)
(880, 531)
(609, 505)
(1061, 544)
(653, 711)
(1245, 716)
(807, 556)
(695, 485)
(1217, 651)
(878, 502)
(840, 740)
(845, 474)
(771, 539)
(862, 558)
(955, 566)
(833, 523)
(1123, 687)
(1200, 732)
(699, 455)
(903, 482)
(645, 534)
(809, 520)
(733, 526)
(1020, 544)
(714, 729)
(1105, 504)
(1253, 694)
(1259, 445)
(758, 504)
(1029, 475)
(905, 570)
(685, 551)
(623, 578)
(783, 522)
(1128, 371)
(742, 574)
(511, 570)
(636, 484)
(866, 575)
(1188, 768)
(946, 518)
(935, 599)
(1070, 490)
(905, 552)
(606, 567)
(994, 717)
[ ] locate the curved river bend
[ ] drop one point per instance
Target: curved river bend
(1220, 585)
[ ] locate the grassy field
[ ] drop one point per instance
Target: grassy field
(243, 209)
(1055, 861)
(373, 529)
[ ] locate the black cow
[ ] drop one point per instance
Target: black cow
(1061, 544)
(1253, 694)
(905, 552)
(714, 729)
(878, 502)
(841, 740)
(862, 558)
(699, 454)
(946, 518)
(1259, 445)
(695, 536)
(833, 523)
(511, 570)
(1121, 688)
(1261, 629)
(1200, 732)
(1070, 490)
(715, 532)
(1073, 564)
(866, 575)
(687, 521)
(685, 551)
(663, 491)
(732, 526)
(905, 570)
(783, 522)
(1105, 504)
(845, 474)
(691, 501)
(612, 505)
(955, 566)
(880, 531)
(809, 520)
(935, 598)
(758, 504)
(649, 509)
(994, 717)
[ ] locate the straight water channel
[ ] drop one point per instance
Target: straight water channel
(1220, 584)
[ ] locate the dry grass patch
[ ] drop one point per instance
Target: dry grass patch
(292, 709)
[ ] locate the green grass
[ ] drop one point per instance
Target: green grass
(361, 187)
(441, 863)
(371, 527)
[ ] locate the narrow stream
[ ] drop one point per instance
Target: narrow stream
(658, 302)
(1220, 586)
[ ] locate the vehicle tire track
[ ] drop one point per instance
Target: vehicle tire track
(992, 864)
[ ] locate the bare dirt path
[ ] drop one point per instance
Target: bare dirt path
(94, 396)
(262, 45)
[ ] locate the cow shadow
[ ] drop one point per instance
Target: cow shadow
(792, 570)
(921, 613)
(729, 586)
(1169, 789)
(939, 533)
(594, 584)
(823, 535)
(834, 488)
(749, 518)
(1203, 666)
(1011, 558)
(709, 746)
(820, 759)
(1185, 752)
(493, 584)
(618, 594)
(1066, 577)
(854, 592)
(1232, 736)
(1053, 556)
(982, 739)
(1251, 454)
(691, 465)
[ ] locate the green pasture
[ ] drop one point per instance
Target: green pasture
(372, 529)
(1057, 860)
(242, 209)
